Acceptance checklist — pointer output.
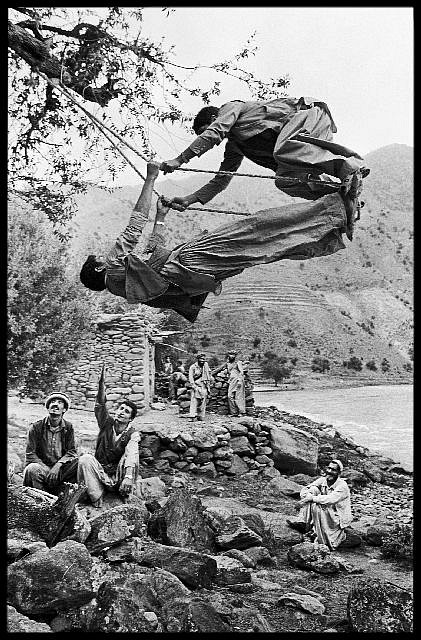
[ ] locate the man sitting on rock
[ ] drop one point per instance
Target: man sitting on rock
(177, 379)
(116, 461)
(326, 508)
(51, 456)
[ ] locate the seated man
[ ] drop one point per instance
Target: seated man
(177, 379)
(326, 508)
(51, 456)
(116, 461)
(181, 279)
(236, 384)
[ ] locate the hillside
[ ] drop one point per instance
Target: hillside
(356, 302)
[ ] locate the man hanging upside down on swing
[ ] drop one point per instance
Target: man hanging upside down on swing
(291, 136)
(141, 269)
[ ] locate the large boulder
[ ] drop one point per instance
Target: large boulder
(313, 558)
(115, 525)
(377, 531)
(151, 488)
(230, 571)
(53, 518)
(283, 487)
(184, 615)
(302, 601)
(181, 522)
(22, 542)
(377, 606)
(238, 466)
(294, 450)
(274, 523)
(194, 569)
(52, 580)
(18, 623)
(235, 534)
(132, 603)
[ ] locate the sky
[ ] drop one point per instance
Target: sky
(357, 59)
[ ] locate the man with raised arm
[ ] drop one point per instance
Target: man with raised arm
(116, 461)
(139, 268)
(291, 136)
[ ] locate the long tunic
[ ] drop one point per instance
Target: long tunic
(182, 278)
(330, 511)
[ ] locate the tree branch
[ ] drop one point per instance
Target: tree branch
(38, 56)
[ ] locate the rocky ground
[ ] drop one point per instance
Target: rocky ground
(381, 497)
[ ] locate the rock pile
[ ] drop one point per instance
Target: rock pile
(136, 571)
(229, 447)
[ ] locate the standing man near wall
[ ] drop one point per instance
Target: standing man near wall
(200, 379)
(116, 462)
(51, 456)
(236, 386)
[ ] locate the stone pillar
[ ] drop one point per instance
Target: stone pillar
(121, 341)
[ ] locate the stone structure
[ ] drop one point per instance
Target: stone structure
(126, 343)
(231, 448)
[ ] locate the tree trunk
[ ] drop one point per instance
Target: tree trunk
(41, 512)
(37, 55)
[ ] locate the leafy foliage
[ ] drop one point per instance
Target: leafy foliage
(48, 318)
(371, 365)
(320, 365)
(104, 58)
(353, 363)
(275, 367)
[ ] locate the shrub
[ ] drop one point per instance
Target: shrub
(385, 365)
(275, 368)
(320, 365)
(398, 543)
(292, 343)
(256, 342)
(371, 365)
(353, 363)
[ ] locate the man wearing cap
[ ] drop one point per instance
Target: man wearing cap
(236, 387)
(326, 508)
(200, 379)
(51, 456)
(116, 461)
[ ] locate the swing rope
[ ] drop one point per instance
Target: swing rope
(104, 128)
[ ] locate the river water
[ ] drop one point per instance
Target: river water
(380, 418)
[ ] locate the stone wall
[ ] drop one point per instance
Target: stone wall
(229, 448)
(124, 343)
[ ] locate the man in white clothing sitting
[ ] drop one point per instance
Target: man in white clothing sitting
(326, 508)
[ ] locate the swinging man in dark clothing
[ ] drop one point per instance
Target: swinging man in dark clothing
(140, 269)
(291, 136)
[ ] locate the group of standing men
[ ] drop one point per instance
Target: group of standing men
(201, 378)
